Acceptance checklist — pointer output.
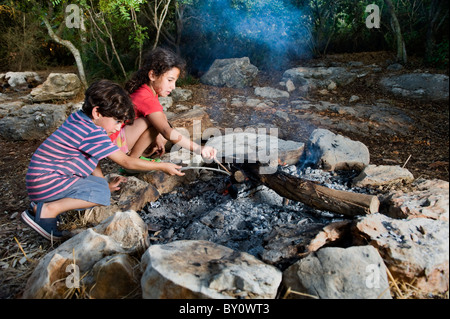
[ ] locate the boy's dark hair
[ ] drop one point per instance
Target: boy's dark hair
(160, 61)
(112, 101)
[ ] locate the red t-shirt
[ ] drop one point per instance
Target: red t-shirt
(145, 103)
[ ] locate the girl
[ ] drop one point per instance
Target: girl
(64, 174)
(151, 130)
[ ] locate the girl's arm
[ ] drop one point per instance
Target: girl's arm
(159, 121)
(137, 164)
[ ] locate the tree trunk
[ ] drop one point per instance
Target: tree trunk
(69, 45)
(401, 48)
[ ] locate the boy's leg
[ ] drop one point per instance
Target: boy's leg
(53, 209)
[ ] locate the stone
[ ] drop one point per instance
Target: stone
(334, 152)
(58, 86)
(430, 199)
(271, 93)
(319, 77)
(232, 73)
(196, 269)
(133, 195)
(114, 277)
(55, 274)
(256, 146)
(21, 81)
(33, 122)
(181, 95)
(166, 102)
(415, 250)
(379, 175)
(339, 273)
(422, 86)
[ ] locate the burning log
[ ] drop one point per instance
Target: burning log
(312, 193)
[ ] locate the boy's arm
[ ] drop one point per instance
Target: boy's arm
(137, 164)
(98, 172)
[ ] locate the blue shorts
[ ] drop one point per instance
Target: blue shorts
(92, 189)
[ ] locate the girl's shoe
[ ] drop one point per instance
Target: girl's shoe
(46, 227)
(156, 160)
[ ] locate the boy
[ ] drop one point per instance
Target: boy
(64, 173)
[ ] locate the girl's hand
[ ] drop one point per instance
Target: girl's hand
(209, 152)
(115, 182)
(171, 169)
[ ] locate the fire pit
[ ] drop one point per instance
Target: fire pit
(252, 222)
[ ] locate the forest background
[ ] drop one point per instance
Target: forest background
(108, 38)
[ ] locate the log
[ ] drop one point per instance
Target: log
(313, 194)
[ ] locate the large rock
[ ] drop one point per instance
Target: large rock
(133, 195)
(338, 273)
(253, 146)
(422, 86)
(58, 86)
(20, 81)
(430, 199)
(415, 251)
(72, 263)
(271, 93)
(331, 152)
(375, 176)
(233, 73)
(33, 122)
(319, 77)
(200, 269)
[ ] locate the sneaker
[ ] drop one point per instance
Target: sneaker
(46, 227)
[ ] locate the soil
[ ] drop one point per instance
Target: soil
(424, 151)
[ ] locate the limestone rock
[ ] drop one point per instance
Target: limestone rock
(256, 146)
(33, 122)
(338, 273)
(199, 269)
(335, 152)
(233, 73)
(58, 86)
(121, 234)
(20, 81)
(374, 176)
(270, 93)
(423, 86)
(414, 250)
(181, 95)
(133, 195)
(430, 200)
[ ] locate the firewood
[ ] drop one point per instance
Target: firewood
(313, 194)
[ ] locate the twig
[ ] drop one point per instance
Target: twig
(217, 161)
(21, 249)
(290, 291)
(394, 282)
(406, 161)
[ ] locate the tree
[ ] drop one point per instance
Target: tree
(401, 48)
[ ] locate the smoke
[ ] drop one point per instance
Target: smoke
(268, 31)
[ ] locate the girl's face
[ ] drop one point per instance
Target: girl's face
(165, 83)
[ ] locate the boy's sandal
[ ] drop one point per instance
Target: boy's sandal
(46, 227)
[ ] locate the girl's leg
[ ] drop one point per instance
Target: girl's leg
(139, 136)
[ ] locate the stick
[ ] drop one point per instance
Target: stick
(21, 249)
(406, 161)
(217, 161)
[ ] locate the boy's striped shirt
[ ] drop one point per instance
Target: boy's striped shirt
(70, 153)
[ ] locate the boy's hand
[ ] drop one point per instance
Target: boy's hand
(172, 169)
(209, 152)
(115, 182)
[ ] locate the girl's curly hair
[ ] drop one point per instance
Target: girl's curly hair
(159, 60)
